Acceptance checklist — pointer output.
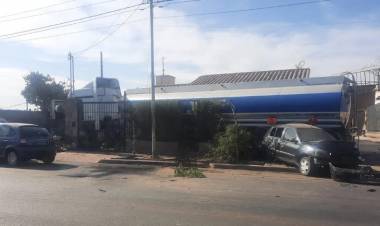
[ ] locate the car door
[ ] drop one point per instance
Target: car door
(290, 145)
(277, 143)
(4, 139)
(268, 139)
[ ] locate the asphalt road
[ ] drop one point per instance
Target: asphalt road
(71, 194)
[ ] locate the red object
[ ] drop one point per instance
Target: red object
(271, 120)
(313, 120)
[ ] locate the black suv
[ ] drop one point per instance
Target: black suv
(309, 148)
(22, 142)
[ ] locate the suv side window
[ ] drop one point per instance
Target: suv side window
(272, 132)
(279, 132)
(290, 134)
(6, 131)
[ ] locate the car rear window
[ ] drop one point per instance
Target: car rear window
(311, 134)
(33, 132)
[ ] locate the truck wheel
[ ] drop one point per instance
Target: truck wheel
(306, 166)
(48, 158)
(12, 158)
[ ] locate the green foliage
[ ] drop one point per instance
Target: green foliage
(232, 145)
(191, 172)
(207, 116)
(174, 119)
(40, 90)
(167, 120)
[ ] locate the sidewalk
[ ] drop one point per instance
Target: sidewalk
(371, 136)
(119, 158)
(79, 157)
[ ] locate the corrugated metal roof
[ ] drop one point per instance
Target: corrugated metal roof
(131, 93)
(252, 76)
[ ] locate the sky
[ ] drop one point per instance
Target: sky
(330, 37)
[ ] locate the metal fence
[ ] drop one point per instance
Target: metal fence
(103, 124)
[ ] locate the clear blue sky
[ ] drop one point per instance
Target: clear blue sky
(331, 37)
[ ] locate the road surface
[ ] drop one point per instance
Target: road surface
(93, 194)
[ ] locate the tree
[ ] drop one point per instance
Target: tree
(233, 145)
(40, 90)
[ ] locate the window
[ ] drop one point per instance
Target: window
(33, 132)
(272, 132)
(107, 83)
(314, 134)
(6, 131)
(290, 134)
(279, 132)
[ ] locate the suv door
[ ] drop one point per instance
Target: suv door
(276, 142)
(289, 145)
(6, 134)
(268, 139)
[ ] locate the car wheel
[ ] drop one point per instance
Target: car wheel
(306, 166)
(48, 158)
(12, 158)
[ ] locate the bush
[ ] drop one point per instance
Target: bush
(191, 172)
(232, 145)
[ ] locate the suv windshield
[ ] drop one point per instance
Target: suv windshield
(312, 134)
(33, 132)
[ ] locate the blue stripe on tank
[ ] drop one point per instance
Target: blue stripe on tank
(320, 102)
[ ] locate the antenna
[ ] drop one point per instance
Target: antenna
(101, 64)
(163, 65)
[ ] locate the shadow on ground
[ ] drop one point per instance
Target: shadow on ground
(371, 152)
(35, 165)
(100, 171)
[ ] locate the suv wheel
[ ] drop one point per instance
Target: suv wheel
(306, 166)
(49, 158)
(12, 158)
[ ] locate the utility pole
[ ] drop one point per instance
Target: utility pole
(152, 103)
(101, 64)
(72, 78)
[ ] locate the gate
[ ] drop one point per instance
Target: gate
(102, 125)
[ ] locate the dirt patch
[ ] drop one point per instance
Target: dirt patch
(83, 157)
(165, 172)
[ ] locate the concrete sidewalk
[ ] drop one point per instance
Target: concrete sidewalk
(84, 157)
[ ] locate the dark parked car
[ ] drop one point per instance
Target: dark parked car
(310, 148)
(22, 142)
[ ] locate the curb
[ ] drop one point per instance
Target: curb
(253, 167)
(151, 162)
(138, 162)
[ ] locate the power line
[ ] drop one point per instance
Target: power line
(179, 2)
(143, 19)
(68, 33)
(63, 26)
(56, 11)
(72, 22)
(37, 9)
(245, 10)
(67, 23)
(109, 34)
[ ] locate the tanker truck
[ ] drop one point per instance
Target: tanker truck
(326, 102)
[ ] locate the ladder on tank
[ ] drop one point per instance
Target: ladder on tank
(365, 83)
